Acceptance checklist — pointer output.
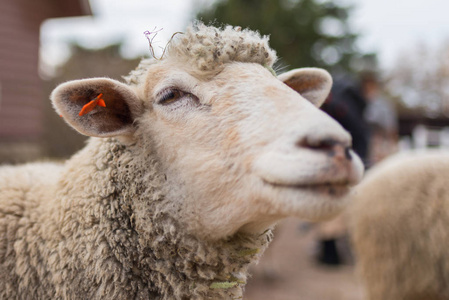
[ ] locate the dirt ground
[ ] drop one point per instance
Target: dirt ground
(297, 275)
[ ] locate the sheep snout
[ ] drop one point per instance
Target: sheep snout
(310, 167)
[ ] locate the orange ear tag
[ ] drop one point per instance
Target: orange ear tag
(98, 101)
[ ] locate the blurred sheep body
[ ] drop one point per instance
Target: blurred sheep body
(176, 191)
(399, 223)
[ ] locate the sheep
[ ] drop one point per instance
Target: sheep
(399, 226)
(189, 165)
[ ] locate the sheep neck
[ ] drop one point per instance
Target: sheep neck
(140, 239)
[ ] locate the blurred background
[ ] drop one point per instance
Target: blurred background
(390, 65)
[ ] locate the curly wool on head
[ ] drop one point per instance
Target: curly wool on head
(207, 49)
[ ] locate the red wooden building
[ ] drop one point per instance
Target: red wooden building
(21, 97)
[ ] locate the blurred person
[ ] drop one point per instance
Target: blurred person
(382, 119)
(346, 103)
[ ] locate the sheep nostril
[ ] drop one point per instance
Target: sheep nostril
(323, 145)
(348, 153)
(331, 147)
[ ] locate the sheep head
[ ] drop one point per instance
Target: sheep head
(240, 148)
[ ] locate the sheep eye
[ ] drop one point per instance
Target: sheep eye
(171, 96)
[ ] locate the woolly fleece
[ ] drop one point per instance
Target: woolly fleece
(399, 224)
(70, 233)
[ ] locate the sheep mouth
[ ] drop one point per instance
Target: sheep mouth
(337, 189)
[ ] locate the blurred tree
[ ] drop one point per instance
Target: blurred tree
(419, 80)
(303, 32)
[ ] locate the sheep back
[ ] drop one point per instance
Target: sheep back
(399, 224)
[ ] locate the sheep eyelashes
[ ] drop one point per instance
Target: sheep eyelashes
(98, 101)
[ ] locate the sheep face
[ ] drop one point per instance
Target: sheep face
(240, 150)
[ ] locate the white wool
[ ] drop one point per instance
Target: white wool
(207, 49)
(399, 222)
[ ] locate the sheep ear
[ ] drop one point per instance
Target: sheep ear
(115, 119)
(312, 83)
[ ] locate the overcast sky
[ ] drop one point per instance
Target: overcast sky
(386, 26)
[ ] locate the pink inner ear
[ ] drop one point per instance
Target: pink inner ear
(305, 84)
(96, 107)
(312, 84)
